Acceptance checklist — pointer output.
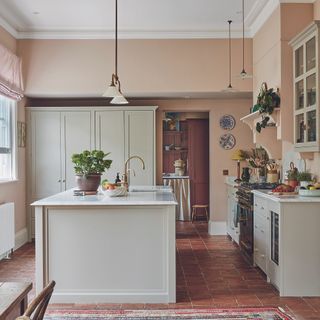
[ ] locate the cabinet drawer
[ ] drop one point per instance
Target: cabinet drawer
(259, 221)
(260, 207)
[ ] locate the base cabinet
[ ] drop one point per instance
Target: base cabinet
(58, 132)
(260, 233)
(288, 250)
(232, 224)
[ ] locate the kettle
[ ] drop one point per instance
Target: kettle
(246, 172)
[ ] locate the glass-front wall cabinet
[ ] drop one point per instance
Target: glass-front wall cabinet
(306, 89)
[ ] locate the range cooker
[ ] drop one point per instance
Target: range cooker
(245, 215)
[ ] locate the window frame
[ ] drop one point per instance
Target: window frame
(13, 140)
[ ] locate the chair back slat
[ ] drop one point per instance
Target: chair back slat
(38, 306)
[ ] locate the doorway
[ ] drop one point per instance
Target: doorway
(185, 161)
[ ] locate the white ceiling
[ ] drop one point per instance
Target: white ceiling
(137, 18)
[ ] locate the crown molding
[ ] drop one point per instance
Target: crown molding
(263, 16)
(6, 26)
(255, 11)
(74, 34)
(266, 11)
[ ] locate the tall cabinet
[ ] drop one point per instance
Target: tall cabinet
(306, 89)
(55, 133)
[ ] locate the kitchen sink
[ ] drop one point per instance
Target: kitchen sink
(150, 189)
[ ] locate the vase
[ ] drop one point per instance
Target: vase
(88, 182)
(293, 183)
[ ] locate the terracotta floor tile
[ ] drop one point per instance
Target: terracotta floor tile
(211, 272)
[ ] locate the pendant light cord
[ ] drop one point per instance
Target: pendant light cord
(230, 21)
(116, 39)
(243, 36)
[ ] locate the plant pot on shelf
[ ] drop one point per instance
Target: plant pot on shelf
(88, 182)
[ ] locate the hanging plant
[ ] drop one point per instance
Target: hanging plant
(267, 100)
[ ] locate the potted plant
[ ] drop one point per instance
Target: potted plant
(293, 177)
(267, 100)
(89, 166)
(305, 178)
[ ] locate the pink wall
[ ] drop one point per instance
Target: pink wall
(16, 191)
(73, 68)
(219, 158)
(272, 62)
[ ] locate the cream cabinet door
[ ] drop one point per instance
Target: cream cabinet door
(46, 175)
(76, 132)
(110, 134)
(140, 141)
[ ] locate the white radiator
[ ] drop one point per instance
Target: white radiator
(6, 228)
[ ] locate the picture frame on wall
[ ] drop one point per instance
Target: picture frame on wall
(21, 128)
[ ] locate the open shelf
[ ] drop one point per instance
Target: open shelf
(254, 117)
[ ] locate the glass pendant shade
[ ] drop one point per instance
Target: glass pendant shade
(119, 100)
(111, 92)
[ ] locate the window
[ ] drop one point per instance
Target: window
(7, 139)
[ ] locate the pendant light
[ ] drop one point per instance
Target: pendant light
(243, 73)
(230, 88)
(114, 90)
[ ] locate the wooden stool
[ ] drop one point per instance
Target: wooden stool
(195, 211)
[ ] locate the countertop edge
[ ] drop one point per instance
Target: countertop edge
(285, 198)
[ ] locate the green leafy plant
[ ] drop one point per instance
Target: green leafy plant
(267, 100)
(292, 175)
(91, 162)
(304, 176)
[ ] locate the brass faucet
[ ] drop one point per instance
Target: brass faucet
(126, 170)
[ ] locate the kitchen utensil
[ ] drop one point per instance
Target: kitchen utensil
(168, 147)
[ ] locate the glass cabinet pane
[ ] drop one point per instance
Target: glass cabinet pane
(300, 128)
(299, 95)
(311, 90)
(311, 126)
(299, 62)
(311, 54)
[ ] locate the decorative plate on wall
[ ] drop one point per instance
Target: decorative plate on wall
(227, 122)
(227, 141)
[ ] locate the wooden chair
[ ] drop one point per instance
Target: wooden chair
(38, 306)
(196, 210)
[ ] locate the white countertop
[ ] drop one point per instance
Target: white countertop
(173, 176)
(144, 198)
(284, 198)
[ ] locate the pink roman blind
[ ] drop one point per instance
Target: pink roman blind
(11, 83)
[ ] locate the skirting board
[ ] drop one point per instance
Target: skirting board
(21, 238)
(217, 228)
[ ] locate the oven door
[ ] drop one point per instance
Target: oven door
(245, 214)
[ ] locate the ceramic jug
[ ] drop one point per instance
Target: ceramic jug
(246, 174)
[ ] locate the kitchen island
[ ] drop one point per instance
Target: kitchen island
(103, 250)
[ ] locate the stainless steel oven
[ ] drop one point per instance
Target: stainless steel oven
(245, 215)
(245, 218)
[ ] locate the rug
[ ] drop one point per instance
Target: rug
(171, 314)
